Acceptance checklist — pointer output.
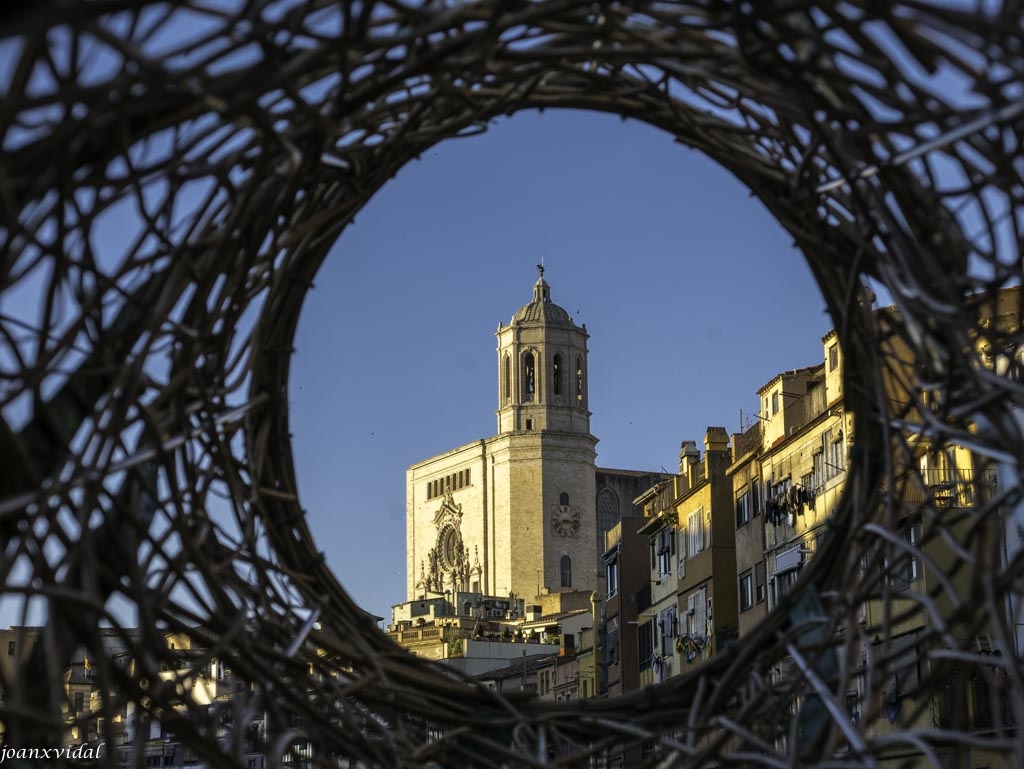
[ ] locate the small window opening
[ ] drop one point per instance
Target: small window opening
(579, 379)
(529, 372)
(506, 381)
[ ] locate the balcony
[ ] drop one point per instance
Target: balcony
(948, 487)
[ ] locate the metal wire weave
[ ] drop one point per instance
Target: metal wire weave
(172, 176)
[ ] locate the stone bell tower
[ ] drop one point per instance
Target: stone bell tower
(516, 512)
(544, 473)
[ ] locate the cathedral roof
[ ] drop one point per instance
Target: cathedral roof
(542, 309)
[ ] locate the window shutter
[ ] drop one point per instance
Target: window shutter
(700, 613)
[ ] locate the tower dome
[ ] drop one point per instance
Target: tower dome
(542, 309)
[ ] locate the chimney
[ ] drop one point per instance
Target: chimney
(716, 450)
(716, 439)
(688, 456)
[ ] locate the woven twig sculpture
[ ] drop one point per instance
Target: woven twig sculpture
(217, 150)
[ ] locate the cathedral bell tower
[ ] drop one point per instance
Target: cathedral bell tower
(514, 513)
(542, 369)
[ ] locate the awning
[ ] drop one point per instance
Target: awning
(788, 560)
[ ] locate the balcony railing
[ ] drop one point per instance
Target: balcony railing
(949, 487)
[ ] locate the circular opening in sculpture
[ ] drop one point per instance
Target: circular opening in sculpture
(646, 248)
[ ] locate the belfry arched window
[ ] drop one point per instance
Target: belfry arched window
(556, 375)
(563, 499)
(607, 513)
(579, 379)
(566, 569)
(506, 379)
(529, 376)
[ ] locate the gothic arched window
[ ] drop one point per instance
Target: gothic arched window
(579, 378)
(506, 380)
(566, 571)
(556, 375)
(529, 374)
(607, 513)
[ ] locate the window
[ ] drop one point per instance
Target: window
(784, 582)
(612, 646)
(835, 457)
(907, 569)
(11, 648)
(818, 473)
(697, 613)
(467, 476)
(556, 375)
(743, 511)
(566, 569)
(612, 577)
(666, 549)
(759, 582)
(579, 379)
(682, 553)
(506, 379)
(707, 529)
(775, 402)
(646, 633)
(667, 623)
(695, 529)
(838, 457)
(79, 702)
(905, 677)
(529, 424)
(853, 703)
(563, 499)
(607, 514)
(746, 590)
(833, 356)
(529, 374)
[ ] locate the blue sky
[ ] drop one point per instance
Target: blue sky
(693, 296)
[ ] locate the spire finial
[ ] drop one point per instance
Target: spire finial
(541, 291)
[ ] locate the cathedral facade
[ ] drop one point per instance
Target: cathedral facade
(515, 513)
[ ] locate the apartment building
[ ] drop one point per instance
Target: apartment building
(706, 571)
(657, 607)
